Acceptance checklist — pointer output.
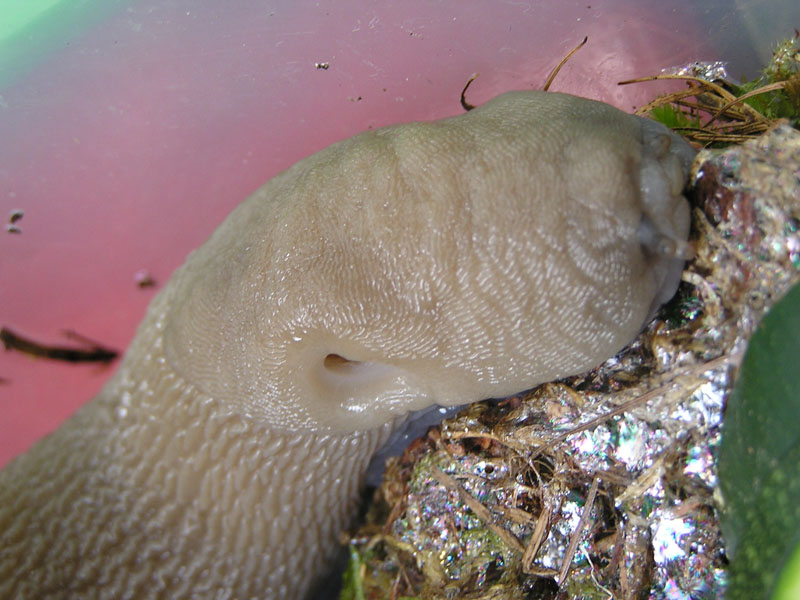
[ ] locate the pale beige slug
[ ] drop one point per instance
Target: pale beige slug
(443, 262)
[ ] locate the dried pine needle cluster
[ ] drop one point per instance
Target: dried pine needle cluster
(715, 111)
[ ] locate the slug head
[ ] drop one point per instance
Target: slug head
(443, 262)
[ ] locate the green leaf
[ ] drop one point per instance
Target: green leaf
(759, 463)
(673, 117)
(352, 586)
(789, 583)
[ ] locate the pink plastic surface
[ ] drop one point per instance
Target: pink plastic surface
(126, 148)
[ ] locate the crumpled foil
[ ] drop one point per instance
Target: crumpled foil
(716, 70)
(603, 485)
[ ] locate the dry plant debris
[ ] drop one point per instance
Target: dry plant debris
(715, 110)
(91, 352)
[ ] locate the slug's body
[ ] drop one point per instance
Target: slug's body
(442, 262)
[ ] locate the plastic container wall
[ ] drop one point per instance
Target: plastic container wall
(129, 130)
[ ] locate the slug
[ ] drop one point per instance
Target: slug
(415, 265)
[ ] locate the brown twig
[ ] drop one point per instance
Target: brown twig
(537, 539)
(729, 120)
(564, 60)
(576, 535)
(468, 107)
(762, 90)
(93, 353)
(464, 104)
(703, 83)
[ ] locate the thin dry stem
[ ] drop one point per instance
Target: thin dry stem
(576, 535)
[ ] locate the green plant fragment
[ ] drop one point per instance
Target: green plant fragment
(759, 464)
(788, 587)
(352, 586)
